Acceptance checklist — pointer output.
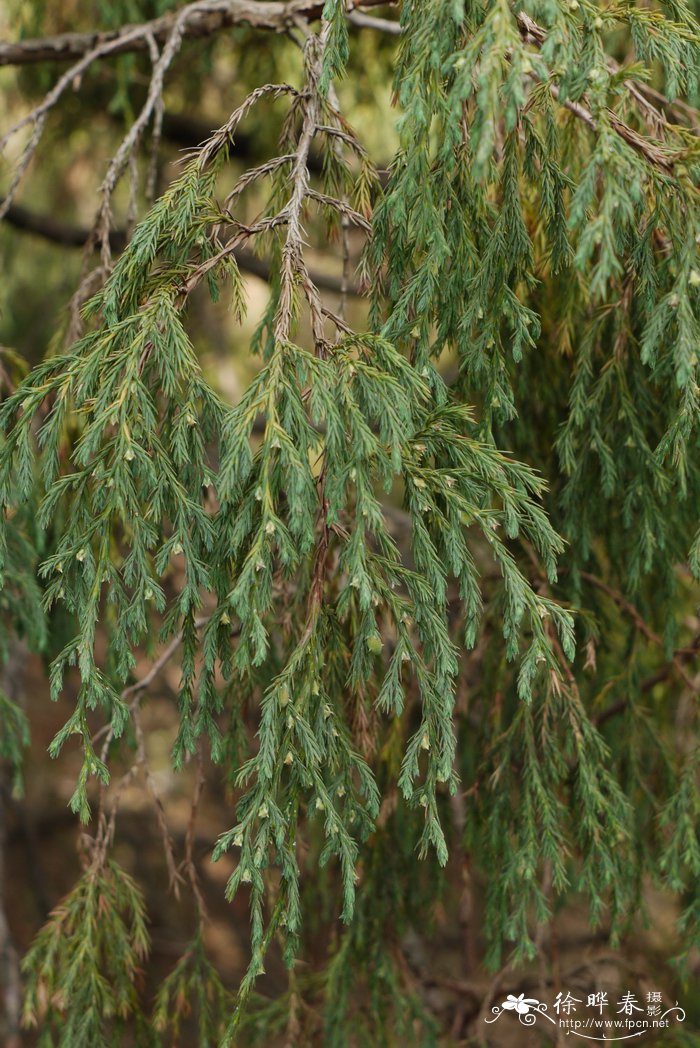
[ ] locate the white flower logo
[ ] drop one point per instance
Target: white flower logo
(520, 1004)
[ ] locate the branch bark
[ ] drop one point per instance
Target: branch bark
(219, 15)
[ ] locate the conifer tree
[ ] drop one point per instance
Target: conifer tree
(430, 581)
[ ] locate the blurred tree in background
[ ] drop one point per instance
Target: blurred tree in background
(349, 480)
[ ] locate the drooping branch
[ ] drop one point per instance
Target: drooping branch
(203, 17)
(651, 151)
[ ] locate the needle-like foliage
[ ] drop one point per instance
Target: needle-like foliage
(366, 549)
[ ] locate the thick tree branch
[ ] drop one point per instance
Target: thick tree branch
(218, 15)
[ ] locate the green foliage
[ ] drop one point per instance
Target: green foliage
(193, 986)
(339, 426)
(84, 964)
(14, 737)
(21, 614)
(350, 556)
